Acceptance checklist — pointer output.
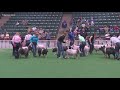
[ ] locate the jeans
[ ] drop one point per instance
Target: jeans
(117, 48)
(48, 43)
(71, 43)
(27, 42)
(13, 52)
(16, 48)
(34, 48)
(60, 49)
(91, 47)
(82, 46)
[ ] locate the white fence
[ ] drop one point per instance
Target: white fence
(53, 43)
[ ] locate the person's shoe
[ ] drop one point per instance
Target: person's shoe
(65, 57)
(59, 57)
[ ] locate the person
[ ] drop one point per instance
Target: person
(92, 21)
(60, 40)
(82, 44)
(16, 42)
(34, 41)
(7, 36)
(48, 38)
(34, 28)
(2, 36)
(115, 41)
(27, 38)
(71, 37)
(91, 43)
(106, 29)
(64, 24)
(17, 23)
(83, 33)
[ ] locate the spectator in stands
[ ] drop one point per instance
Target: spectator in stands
(72, 22)
(83, 25)
(71, 38)
(116, 28)
(2, 36)
(34, 41)
(107, 36)
(106, 29)
(92, 21)
(17, 23)
(7, 36)
(64, 24)
(48, 38)
(82, 44)
(27, 38)
(60, 40)
(16, 42)
(25, 22)
(79, 21)
(91, 43)
(34, 28)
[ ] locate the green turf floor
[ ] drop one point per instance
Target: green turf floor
(92, 66)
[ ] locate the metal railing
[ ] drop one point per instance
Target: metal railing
(53, 43)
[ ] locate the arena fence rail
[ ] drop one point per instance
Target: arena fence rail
(6, 44)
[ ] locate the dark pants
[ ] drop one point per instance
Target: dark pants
(13, 52)
(82, 46)
(16, 48)
(34, 44)
(48, 43)
(60, 49)
(71, 43)
(117, 48)
(27, 42)
(91, 47)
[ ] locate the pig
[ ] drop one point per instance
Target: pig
(23, 51)
(54, 50)
(107, 51)
(86, 49)
(96, 47)
(72, 52)
(44, 52)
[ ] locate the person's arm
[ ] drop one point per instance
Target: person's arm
(90, 39)
(20, 39)
(31, 39)
(13, 39)
(63, 37)
(37, 40)
(25, 38)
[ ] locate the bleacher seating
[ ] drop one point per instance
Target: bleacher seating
(46, 20)
(100, 18)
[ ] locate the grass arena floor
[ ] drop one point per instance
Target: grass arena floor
(92, 66)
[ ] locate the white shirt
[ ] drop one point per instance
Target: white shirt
(83, 25)
(34, 28)
(107, 36)
(119, 37)
(17, 23)
(114, 40)
(28, 36)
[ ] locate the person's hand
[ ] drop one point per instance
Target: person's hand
(67, 41)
